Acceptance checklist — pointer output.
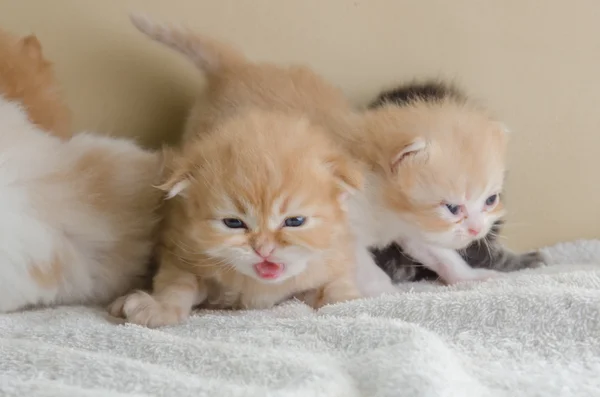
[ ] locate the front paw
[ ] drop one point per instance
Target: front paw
(532, 260)
(115, 309)
(142, 308)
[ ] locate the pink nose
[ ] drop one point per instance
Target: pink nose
(264, 251)
(473, 231)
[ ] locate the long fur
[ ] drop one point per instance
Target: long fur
(417, 159)
(27, 77)
(259, 168)
(487, 253)
(79, 215)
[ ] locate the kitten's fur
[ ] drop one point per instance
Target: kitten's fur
(27, 77)
(417, 159)
(258, 168)
(78, 215)
(486, 253)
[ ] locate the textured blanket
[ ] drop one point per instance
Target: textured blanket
(533, 333)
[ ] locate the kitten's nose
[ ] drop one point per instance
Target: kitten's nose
(264, 251)
(474, 231)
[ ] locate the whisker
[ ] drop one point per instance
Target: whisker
(487, 247)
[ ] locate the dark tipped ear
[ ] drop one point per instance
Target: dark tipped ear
(31, 46)
(416, 147)
(347, 172)
(175, 173)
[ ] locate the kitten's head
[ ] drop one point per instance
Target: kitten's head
(441, 167)
(28, 77)
(263, 194)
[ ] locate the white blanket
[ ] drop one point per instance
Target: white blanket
(534, 333)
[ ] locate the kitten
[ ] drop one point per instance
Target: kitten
(256, 215)
(486, 253)
(27, 77)
(434, 170)
(79, 214)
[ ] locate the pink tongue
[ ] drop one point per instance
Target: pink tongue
(268, 269)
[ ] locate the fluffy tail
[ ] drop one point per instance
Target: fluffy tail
(207, 54)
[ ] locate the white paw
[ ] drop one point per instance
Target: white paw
(142, 308)
(115, 309)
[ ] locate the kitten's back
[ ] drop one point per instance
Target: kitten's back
(235, 83)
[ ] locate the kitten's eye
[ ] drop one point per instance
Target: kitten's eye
(295, 221)
(454, 209)
(234, 223)
(491, 200)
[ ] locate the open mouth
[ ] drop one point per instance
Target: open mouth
(268, 270)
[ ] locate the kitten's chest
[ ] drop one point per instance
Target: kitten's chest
(239, 291)
(374, 225)
(246, 293)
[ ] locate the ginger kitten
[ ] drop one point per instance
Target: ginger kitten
(486, 253)
(79, 215)
(27, 77)
(256, 215)
(434, 170)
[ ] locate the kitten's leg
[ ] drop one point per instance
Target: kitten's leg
(490, 254)
(371, 279)
(447, 263)
(339, 290)
(508, 261)
(175, 293)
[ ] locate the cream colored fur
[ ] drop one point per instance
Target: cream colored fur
(417, 160)
(259, 170)
(78, 216)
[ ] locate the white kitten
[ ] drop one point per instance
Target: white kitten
(78, 216)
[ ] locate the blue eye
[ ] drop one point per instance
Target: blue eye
(454, 209)
(295, 221)
(234, 223)
(491, 200)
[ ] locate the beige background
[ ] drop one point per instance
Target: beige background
(535, 63)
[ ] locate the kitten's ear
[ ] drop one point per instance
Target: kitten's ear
(177, 174)
(31, 46)
(346, 172)
(415, 147)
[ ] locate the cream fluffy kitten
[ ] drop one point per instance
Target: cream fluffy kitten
(78, 215)
(256, 215)
(433, 170)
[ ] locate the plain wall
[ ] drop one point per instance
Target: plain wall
(534, 63)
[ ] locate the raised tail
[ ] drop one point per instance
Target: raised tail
(207, 54)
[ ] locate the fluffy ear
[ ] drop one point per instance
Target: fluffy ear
(30, 45)
(177, 174)
(347, 172)
(417, 146)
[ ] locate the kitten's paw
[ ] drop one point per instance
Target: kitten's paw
(143, 309)
(532, 260)
(115, 309)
